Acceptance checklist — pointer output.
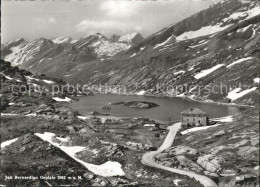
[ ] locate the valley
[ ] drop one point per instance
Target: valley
(190, 58)
(89, 141)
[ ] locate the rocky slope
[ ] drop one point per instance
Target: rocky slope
(48, 133)
(192, 58)
(227, 152)
(45, 143)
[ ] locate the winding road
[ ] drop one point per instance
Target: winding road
(147, 158)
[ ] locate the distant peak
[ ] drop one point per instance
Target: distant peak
(62, 39)
(19, 39)
(133, 37)
(16, 42)
(132, 34)
(99, 35)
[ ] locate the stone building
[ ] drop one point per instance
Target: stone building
(194, 117)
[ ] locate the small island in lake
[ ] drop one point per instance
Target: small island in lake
(140, 104)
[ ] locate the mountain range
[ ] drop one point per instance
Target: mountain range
(212, 47)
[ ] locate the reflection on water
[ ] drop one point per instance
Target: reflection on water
(169, 108)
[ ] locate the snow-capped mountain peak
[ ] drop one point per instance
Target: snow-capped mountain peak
(127, 37)
(131, 38)
(62, 40)
(20, 52)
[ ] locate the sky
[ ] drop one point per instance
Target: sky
(49, 19)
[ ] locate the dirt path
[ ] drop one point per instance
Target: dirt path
(147, 159)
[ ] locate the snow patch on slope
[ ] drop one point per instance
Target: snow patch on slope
(197, 129)
(244, 28)
(179, 72)
(26, 51)
(134, 54)
(142, 92)
(224, 119)
(66, 99)
(203, 31)
(8, 142)
(73, 41)
(239, 61)
(8, 114)
(6, 76)
(176, 181)
(16, 54)
(165, 42)
(29, 78)
(206, 72)
(48, 81)
(237, 93)
(257, 80)
(200, 44)
(244, 14)
(107, 169)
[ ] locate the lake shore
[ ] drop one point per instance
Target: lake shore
(167, 112)
(184, 97)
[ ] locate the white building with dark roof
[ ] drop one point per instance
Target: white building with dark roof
(194, 117)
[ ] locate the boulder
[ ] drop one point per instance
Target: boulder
(27, 139)
(89, 175)
(241, 143)
(85, 130)
(48, 110)
(181, 150)
(227, 181)
(43, 106)
(118, 181)
(66, 114)
(167, 163)
(100, 182)
(211, 174)
(35, 94)
(228, 172)
(138, 146)
(245, 177)
(22, 149)
(255, 141)
(211, 163)
(218, 134)
(56, 117)
(185, 162)
(247, 150)
(160, 156)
